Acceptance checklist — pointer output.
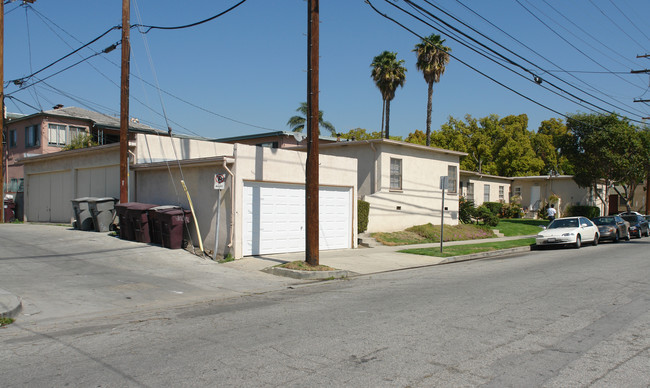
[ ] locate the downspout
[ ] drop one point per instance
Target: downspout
(232, 202)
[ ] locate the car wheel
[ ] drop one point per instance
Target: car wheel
(578, 243)
(595, 242)
(617, 238)
(647, 232)
(627, 238)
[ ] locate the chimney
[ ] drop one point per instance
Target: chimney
(57, 106)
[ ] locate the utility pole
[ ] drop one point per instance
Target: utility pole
(647, 178)
(312, 179)
(2, 108)
(124, 102)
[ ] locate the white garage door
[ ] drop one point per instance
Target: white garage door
(48, 197)
(274, 218)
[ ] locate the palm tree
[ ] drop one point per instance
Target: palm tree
(388, 73)
(297, 123)
(432, 58)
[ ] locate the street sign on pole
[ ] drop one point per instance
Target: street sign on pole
(219, 181)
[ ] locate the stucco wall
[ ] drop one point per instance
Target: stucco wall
(564, 187)
(420, 199)
(480, 181)
(52, 180)
(154, 148)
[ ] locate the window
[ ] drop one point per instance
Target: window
(13, 138)
(32, 136)
(451, 182)
(460, 184)
(56, 135)
(271, 144)
(15, 185)
(395, 174)
(60, 135)
(486, 193)
(470, 192)
(517, 192)
(502, 194)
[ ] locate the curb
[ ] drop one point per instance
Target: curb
(312, 275)
(10, 305)
(483, 255)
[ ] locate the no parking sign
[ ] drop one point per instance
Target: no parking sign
(219, 181)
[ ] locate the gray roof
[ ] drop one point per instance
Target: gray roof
(99, 119)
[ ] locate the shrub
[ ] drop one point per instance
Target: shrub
(511, 210)
(82, 140)
(583, 210)
(363, 208)
(484, 214)
(466, 210)
(495, 207)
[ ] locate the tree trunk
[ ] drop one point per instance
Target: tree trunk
(429, 107)
(387, 118)
(383, 114)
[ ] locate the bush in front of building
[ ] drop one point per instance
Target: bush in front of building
(363, 209)
(582, 210)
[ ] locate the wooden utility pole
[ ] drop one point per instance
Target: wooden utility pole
(647, 179)
(311, 192)
(2, 108)
(124, 103)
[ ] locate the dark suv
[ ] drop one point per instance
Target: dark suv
(638, 224)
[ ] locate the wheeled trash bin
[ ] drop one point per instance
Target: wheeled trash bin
(102, 211)
(83, 218)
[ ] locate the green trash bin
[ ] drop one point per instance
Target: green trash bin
(102, 211)
(83, 218)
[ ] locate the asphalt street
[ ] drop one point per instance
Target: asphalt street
(552, 318)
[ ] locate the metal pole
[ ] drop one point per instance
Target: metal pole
(442, 214)
(216, 233)
(312, 179)
(124, 102)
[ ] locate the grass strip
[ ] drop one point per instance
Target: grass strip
(459, 250)
(520, 226)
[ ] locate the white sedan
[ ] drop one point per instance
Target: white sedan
(568, 231)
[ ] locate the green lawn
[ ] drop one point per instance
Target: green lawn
(520, 226)
(460, 250)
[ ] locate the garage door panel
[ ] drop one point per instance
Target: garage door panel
(274, 218)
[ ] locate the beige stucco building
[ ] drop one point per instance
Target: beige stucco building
(481, 188)
(401, 181)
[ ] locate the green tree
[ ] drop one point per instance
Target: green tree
(297, 123)
(388, 74)
(432, 57)
(360, 134)
(556, 131)
(514, 154)
(606, 149)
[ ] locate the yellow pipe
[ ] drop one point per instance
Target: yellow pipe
(196, 223)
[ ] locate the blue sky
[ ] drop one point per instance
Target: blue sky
(247, 70)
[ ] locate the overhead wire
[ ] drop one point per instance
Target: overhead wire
(616, 24)
(507, 59)
(149, 28)
(569, 43)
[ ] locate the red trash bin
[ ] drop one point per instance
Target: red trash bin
(10, 210)
(138, 217)
(155, 222)
(173, 225)
(126, 230)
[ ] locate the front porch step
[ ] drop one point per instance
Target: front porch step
(497, 233)
(366, 240)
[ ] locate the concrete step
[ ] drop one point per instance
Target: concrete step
(366, 240)
(497, 233)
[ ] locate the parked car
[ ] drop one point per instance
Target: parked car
(568, 231)
(639, 226)
(612, 228)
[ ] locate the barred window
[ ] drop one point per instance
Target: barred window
(395, 174)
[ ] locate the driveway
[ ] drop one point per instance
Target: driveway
(64, 274)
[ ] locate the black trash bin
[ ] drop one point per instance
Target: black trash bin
(155, 222)
(173, 225)
(10, 210)
(138, 216)
(83, 218)
(102, 211)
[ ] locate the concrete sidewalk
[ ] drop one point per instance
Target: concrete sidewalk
(55, 272)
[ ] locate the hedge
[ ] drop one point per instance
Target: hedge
(363, 208)
(582, 210)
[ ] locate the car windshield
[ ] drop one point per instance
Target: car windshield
(562, 223)
(630, 219)
(605, 221)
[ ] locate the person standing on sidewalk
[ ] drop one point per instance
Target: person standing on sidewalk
(551, 212)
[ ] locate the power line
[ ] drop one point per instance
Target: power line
(149, 28)
(505, 58)
(616, 24)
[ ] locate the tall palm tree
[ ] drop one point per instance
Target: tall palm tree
(388, 73)
(297, 123)
(432, 57)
